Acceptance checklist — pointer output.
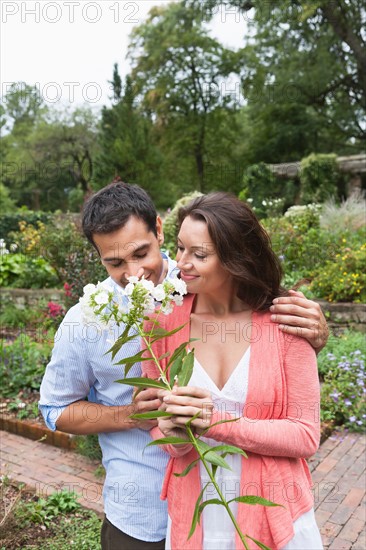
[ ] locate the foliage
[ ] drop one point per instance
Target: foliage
(10, 221)
(7, 203)
(44, 510)
(23, 363)
(180, 76)
(303, 77)
(127, 145)
(73, 258)
(18, 270)
(343, 279)
(337, 347)
(350, 214)
(267, 194)
(68, 533)
(88, 445)
(318, 177)
(171, 222)
(13, 317)
(343, 391)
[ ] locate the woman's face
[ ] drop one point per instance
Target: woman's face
(197, 259)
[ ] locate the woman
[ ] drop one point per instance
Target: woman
(245, 368)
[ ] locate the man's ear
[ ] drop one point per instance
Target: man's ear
(159, 230)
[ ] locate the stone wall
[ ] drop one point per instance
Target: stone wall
(22, 297)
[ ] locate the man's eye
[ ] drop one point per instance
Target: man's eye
(139, 256)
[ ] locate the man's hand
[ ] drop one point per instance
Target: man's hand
(302, 317)
(146, 401)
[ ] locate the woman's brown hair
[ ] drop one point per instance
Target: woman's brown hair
(242, 245)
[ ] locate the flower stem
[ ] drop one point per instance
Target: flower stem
(215, 484)
(153, 356)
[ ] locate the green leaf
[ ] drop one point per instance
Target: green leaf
(121, 340)
(143, 383)
(185, 374)
(230, 450)
(150, 415)
(210, 501)
(260, 544)
(197, 513)
(168, 441)
(251, 499)
(188, 469)
(217, 423)
(176, 367)
(133, 358)
(214, 458)
(163, 356)
(160, 332)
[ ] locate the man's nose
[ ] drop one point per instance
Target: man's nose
(133, 270)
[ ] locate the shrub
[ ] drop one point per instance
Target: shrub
(343, 391)
(342, 279)
(267, 193)
(73, 258)
(170, 222)
(18, 270)
(319, 175)
(337, 347)
(23, 363)
(10, 222)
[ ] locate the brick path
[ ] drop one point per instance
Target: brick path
(338, 471)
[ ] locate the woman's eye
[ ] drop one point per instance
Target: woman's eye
(200, 257)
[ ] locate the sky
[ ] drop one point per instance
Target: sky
(67, 48)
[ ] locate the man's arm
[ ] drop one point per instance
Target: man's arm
(85, 417)
(301, 317)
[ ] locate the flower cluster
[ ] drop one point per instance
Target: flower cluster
(131, 304)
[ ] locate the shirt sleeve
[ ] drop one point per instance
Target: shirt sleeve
(69, 376)
(295, 435)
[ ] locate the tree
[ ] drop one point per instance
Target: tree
(304, 76)
(127, 147)
(179, 70)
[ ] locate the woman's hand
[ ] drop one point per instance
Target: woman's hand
(301, 317)
(183, 403)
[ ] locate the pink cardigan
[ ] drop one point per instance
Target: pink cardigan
(279, 428)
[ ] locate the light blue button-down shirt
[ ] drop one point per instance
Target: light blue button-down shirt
(78, 369)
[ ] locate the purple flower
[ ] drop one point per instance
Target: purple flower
(352, 418)
(347, 402)
(335, 396)
(359, 422)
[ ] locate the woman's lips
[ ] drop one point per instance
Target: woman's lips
(187, 277)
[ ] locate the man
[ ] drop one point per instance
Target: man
(79, 394)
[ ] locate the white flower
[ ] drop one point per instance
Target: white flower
(147, 285)
(158, 293)
(89, 289)
(149, 306)
(133, 279)
(178, 300)
(13, 247)
(167, 308)
(129, 288)
(179, 286)
(102, 298)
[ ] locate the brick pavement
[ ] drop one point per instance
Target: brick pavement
(338, 470)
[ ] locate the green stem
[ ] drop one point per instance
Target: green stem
(215, 484)
(153, 356)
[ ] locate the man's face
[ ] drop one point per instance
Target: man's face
(132, 250)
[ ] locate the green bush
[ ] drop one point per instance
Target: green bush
(23, 363)
(21, 271)
(10, 221)
(72, 257)
(342, 279)
(44, 510)
(343, 391)
(265, 192)
(170, 222)
(337, 347)
(319, 175)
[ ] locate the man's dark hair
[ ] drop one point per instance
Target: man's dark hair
(110, 208)
(242, 245)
